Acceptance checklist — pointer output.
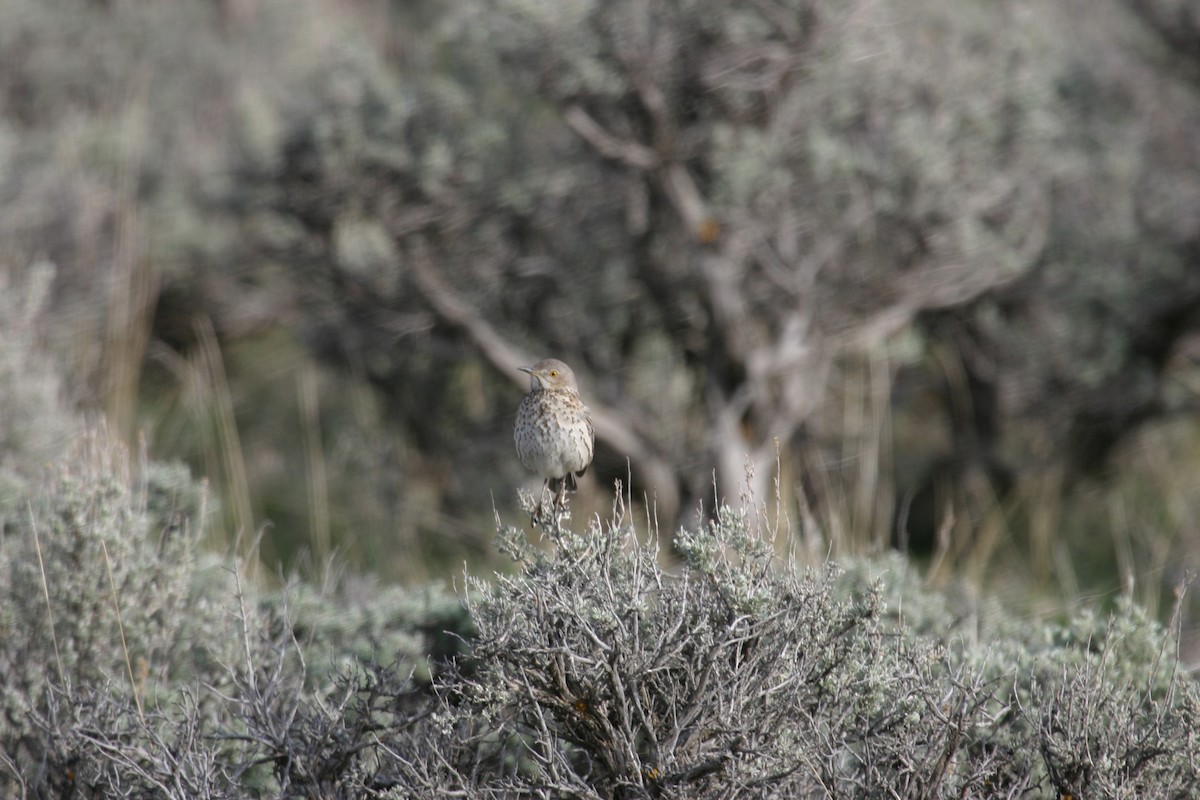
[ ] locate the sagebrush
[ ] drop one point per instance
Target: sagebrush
(142, 667)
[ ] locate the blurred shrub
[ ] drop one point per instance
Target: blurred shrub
(36, 424)
(708, 208)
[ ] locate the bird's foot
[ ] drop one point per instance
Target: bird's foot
(550, 513)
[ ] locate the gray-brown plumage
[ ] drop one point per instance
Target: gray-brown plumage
(553, 431)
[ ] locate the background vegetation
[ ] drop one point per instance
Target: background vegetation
(925, 273)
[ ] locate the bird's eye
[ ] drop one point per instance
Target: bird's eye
(553, 373)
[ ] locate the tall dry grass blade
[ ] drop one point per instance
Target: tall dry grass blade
(978, 549)
(136, 282)
(1175, 635)
(314, 459)
(938, 570)
(1043, 497)
(37, 543)
(231, 457)
(854, 422)
(877, 454)
(133, 687)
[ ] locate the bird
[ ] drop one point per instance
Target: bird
(553, 429)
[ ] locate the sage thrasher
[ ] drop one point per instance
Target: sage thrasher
(553, 430)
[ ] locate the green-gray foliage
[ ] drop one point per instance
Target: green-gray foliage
(101, 595)
(36, 425)
(590, 670)
(280, 167)
(846, 154)
(967, 173)
(138, 664)
(733, 675)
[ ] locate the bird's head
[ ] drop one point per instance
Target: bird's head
(550, 373)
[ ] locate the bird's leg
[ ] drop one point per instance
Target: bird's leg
(560, 499)
(536, 518)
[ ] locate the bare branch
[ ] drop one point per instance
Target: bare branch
(630, 153)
